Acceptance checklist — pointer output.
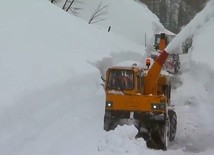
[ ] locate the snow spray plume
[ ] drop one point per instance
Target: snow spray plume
(189, 30)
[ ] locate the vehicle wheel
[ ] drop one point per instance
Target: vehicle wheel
(159, 136)
(110, 123)
(142, 131)
(173, 124)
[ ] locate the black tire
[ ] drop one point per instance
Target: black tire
(173, 124)
(107, 124)
(159, 136)
(110, 123)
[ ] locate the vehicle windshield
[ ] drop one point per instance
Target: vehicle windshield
(121, 79)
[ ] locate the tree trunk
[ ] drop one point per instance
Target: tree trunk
(69, 5)
(64, 4)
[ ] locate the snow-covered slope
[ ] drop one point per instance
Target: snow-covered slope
(41, 44)
(194, 99)
(127, 18)
(51, 100)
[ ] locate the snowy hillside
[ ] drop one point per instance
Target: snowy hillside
(51, 98)
(127, 18)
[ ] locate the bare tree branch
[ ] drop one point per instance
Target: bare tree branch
(99, 14)
(68, 6)
(55, 1)
(64, 4)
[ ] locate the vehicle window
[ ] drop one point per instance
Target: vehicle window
(121, 79)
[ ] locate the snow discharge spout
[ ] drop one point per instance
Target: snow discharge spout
(195, 24)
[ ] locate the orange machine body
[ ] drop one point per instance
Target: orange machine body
(149, 87)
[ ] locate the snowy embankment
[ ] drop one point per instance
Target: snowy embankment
(127, 18)
(194, 99)
(51, 100)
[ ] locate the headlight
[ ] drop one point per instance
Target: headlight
(158, 106)
(109, 104)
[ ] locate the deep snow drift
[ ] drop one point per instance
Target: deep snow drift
(52, 101)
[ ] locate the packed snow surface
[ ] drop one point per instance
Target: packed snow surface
(51, 97)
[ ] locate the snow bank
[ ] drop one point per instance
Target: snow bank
(194, 99)
(203, 50)
(41, 45)
(127, 18)
(51, 100)
(201, 19)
